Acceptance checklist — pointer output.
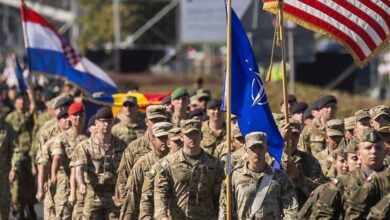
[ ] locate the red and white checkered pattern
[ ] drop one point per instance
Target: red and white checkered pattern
(71, 55)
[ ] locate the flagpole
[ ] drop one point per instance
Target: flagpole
(228, 87)
(285, 94)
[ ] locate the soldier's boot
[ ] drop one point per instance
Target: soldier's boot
(31, 212)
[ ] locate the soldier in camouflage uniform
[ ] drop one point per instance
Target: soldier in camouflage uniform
(214, 130)
(381, 210)
(380, 116)
(371, 154)
(291, 100)
(349, 125)
(374, 189)
(238, 151)
(9, 165)
(279, 202)
(61, 152)
(136, 149)
(334, 135)
(146, 207)
(96, 168)
(180, 101)
(131, 125)
(303, 170)
(22, 122)
(353, 160)
(202, 96)
(313, 138)
(362, 121)
(189, 182)
(130, 208)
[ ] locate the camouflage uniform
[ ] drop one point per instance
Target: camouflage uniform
(39, 121)
(210, 141)
(279, 202)
(313, 138)
(381, 210)
(184, 190)
(129, 132)
(63, 145)
(375, 188)
(100, 176)
(22, 123)
(9, 160)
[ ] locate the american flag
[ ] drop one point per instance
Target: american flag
(361, 26)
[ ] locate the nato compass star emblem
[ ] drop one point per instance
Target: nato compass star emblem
(257, 98)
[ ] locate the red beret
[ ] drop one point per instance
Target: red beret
(75, 107)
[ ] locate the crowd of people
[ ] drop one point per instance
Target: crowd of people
(168, 161)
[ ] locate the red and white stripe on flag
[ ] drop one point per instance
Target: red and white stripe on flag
(362, 26)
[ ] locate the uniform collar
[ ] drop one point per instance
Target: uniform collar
(267, 171)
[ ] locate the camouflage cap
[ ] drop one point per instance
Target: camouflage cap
(370, 135)
(130, 99)
(339, 152)
(256, 138)
(161, 129)
(361, 114)
(174, 133)
(190, 125)
(352, 147)
(379, 110)
(203, 93)
(236, 131)
(349, 123)
(295, 126)
(384, 129)
(193, 100)
(156, 111)
(335, 127)
(179, 92)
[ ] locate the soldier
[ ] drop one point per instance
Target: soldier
(297, 111)
(130, 208)
(340, 164)
(308, 117)
(45, 189)
(61, 152)
(291, 100)
(96, 166)
(375, 188)
(362, 121)
(371, 154)
(214, 130)
(303, 169)
(380, 116)
(334, 135)
(313, 137)
(202, 97)
(131, 125)
(189, 182)
(349, 125)
(180, 101)
(238, 151)
(381, 210)
(146, 203)
(136, 149)
(353, 160)
(196, 114)
(9, 165)
(258, 190)
(22, 122)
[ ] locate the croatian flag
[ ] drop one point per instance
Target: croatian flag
(49, 53)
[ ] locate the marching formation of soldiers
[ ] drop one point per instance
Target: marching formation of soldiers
(168, 161)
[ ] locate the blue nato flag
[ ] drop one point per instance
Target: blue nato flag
(248, 96)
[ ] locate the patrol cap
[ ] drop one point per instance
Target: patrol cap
(384, 129)
(307, 113)
(213, 104)
(156, 111)
(236, 131)
(91, 121)
(326, 100)
(361, 114)
(349, 123)
(290, 99)
(75, 108)
(196, 112)
(379, 110)
(256, 138)
(104, 112)
(352, 146)
(129, 100)
(174, 133)
(63, 113)
(193, 100)
(62, 101)
(370, 135)
(295, 126)
(335, 127)
(339, 152)
(299, 107)
(190, 125)
(203, 94)
(179, 92)
(161, 129)
(166, 100)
